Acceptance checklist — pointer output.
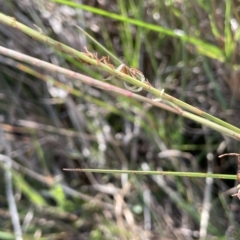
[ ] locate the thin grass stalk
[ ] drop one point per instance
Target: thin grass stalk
(167, 173)
(9, 189)
(105, 67)
(108, 87)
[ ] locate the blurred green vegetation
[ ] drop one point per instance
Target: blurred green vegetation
(189, 48)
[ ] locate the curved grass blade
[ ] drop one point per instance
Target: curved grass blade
(203, 47)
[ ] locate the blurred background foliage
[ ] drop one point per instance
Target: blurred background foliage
(189, 48)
